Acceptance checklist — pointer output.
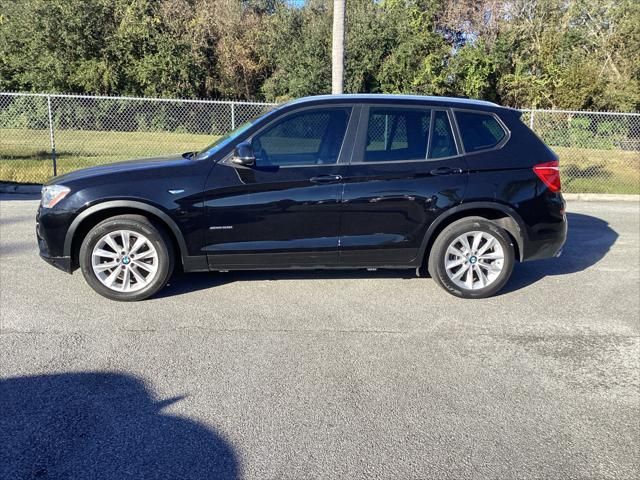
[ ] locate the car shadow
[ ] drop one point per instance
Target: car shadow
(14, 248)
(183, 283)
(102, 425)
(588, 241)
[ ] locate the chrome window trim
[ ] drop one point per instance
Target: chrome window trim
(382, 162)
(226, 161)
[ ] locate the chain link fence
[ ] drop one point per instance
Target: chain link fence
(599, 151)
(43, 135)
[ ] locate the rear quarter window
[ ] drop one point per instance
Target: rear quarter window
(479, 131)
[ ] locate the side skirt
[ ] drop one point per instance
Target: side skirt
(199, 264)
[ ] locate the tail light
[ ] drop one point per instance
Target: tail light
(549, 173)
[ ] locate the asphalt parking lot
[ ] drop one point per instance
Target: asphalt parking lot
(326, 374)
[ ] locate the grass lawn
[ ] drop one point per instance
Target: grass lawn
(25, 157)
(587, 170)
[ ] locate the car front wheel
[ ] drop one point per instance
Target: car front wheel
(126, 258)
(472, 258)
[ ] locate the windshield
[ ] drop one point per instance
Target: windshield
(225, 140)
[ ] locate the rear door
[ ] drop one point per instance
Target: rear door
(405, 170)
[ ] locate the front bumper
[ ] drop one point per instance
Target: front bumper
(61, 262)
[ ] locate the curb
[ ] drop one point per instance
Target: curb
(601, 197)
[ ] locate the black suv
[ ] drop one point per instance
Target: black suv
(462, 187)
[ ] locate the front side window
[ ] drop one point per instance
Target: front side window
(479, 131)
(312, 137)
(397, 134)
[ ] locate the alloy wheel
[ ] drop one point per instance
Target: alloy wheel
(474, 260)
(124, 261)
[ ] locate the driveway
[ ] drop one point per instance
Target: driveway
(326, 374)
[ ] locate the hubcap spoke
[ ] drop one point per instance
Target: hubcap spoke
(109, 240)
(469, 281)
(134, 271)
(104, 253)
(140, 241)
(482, 278)
(105, 266)
(143, 255)
(465, 242)
(145, 266)
(125, 236)
(455, 263)
(126, 280)
(460, 272)
(491, 256)
(489, 267)
(111, 278)
(476, 241)
(488, 244)
(455, 251)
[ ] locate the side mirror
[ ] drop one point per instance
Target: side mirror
(243, 155)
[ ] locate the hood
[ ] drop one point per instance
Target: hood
(119, 167)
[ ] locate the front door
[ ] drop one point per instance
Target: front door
(405, 171)
(284, 211)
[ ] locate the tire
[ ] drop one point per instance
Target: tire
(108, 268)
(486, 271)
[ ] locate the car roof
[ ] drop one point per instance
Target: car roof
(395, 98)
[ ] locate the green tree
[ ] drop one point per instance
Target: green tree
(575, 54)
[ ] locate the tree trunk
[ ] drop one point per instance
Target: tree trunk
(337, 50)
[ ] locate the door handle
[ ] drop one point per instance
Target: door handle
(445, 171)
(326, 179)
(409, 198)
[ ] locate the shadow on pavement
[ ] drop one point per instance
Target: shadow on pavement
(16, 248)
(588, 241)
(102, 426)
(190, 282)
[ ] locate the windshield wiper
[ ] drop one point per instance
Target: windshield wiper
(188, 154)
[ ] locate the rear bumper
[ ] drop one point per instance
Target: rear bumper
(549, 242)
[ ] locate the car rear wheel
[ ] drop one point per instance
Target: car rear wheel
(126, 258)
(472, 258)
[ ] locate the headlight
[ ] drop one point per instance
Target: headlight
(52, 194)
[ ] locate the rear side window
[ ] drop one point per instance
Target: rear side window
(395, 134)
(479, 131)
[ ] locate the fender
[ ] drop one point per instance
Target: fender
(68, 240)
(516, 227)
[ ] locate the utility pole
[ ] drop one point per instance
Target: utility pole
(337, 50)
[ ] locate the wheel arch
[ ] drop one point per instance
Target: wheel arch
(503, 215)
(93, 215)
